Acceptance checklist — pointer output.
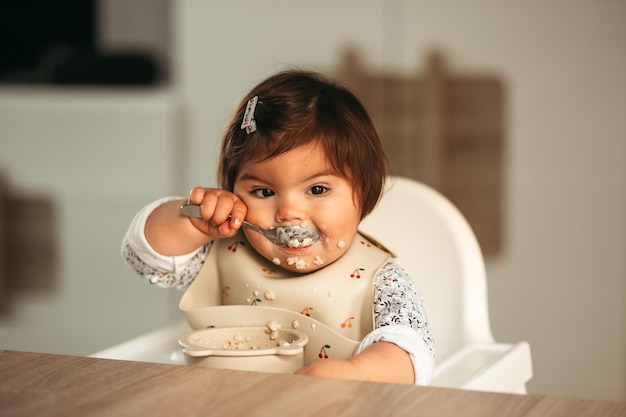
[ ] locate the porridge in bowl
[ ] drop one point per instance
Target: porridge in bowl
(267, 348)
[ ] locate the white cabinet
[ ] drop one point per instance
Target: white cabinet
(97, 156)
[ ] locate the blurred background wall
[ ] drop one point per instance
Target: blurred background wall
(97, 153)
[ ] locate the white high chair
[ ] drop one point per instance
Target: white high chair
(437, 247)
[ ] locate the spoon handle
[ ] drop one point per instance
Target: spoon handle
(190, 210)
(193, 210)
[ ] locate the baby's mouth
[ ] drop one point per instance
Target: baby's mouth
(297, 236)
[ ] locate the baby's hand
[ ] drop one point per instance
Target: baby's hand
(330, 368)
(215, 207)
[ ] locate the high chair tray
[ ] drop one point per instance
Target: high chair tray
(484, 367)
(159, 346)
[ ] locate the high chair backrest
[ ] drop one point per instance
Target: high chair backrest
(437, 247)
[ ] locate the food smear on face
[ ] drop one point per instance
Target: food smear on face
(298, 263)
(296, 243)
(341, 244)
(317, 260)
(276, 261)
(297, 236)
(301, 264)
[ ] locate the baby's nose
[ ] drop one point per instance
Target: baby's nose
(289, 210)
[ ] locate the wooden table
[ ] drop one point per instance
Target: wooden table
(35, 384)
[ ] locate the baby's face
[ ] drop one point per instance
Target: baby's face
(299, 188)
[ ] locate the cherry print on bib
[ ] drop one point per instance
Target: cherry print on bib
(347, 323)
(357, 273)
(226, 291)
(323, 352)
(268, 271)
(306, 311)
(233, 246)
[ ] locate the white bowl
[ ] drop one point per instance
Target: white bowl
(320, 335)
(246, 348)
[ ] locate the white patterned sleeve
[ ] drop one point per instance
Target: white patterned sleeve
(154, 268)
(400, 319)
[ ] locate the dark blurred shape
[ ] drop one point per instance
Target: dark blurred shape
(444, 128)
(28, 244)
(55, 42)
(96, 69)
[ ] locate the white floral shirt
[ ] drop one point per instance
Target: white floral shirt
(399, 316)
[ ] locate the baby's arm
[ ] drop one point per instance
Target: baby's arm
(153, 267)
(380, 361)
(168, 249)
(401, 331)
(170, 233)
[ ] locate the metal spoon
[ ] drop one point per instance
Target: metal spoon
(292, 236)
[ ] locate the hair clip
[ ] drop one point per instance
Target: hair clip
(248, 117)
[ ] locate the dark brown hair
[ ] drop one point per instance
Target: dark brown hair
(297, 108)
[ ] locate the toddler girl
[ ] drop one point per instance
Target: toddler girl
(299, 155)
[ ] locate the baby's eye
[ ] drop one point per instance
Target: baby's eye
(318, 190)
(263, 192)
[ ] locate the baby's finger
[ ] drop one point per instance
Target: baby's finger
(196, 195)
(238, 213)
(208, 206)
(223, 209)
